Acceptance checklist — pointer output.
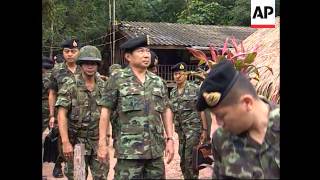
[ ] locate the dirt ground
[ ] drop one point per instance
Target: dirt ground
(173, 170)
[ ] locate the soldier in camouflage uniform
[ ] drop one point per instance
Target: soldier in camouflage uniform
(141, 100)
(154, 63)
(47, 65)
(114, 68)
(187, 121)
(247, 145)
(79, 114)
(59, 75)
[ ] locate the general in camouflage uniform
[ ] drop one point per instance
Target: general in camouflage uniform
(247, 145)
(47, 65)
(78, 101)
(60, 73)
(138, 136)
(187, 121)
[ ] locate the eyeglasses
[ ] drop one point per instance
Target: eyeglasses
(73, 51)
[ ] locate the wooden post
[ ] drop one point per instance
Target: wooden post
(79, 172)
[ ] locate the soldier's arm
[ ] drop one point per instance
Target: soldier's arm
(104, 126)
(204, 132)
(107, 103)
(63, 124)
(52, 100)
(167, 115)
(63, 103)
(167, 118)
(52, 94)
(203, 121)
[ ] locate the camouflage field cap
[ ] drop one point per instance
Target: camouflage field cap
(181, 66)
(89, 53)
(217, 85)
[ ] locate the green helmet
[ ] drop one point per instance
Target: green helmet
(89, 53)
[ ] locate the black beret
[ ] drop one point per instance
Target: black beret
(153, 59)
(134, 43)
(219, 82)
(47, 63)
(71, 43)
(181, 66)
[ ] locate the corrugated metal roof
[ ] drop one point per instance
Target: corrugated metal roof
(175, 34)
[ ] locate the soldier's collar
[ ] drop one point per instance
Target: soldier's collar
(128, 73)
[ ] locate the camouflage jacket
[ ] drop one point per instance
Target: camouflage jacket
(186, 117)
(45, 94)
(83, 112)
(242, 157)
(59, 75)
(139, 128)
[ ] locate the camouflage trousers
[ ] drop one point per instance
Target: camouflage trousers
(185, 151)
(99, 170)
(140, 169)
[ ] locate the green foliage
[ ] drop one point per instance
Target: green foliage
(90, 20)
(86, 20)
(201, 12)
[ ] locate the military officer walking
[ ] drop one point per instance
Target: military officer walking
(141, 100)
(78, 113)
(188, 123)
(247, 145)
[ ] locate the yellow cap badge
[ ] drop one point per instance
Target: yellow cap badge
(211, 98)
(181, 66)
(74, 43)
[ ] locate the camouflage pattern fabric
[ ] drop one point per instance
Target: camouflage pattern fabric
(242, 157)
(140, 169)
(83, 115)
(45, 94)
(59, 75)
(139, 129)
(187, 125)
(185, 153)
(98, 170)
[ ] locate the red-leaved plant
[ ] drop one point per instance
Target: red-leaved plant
(241, 59)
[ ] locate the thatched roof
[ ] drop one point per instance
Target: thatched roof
(268, 54)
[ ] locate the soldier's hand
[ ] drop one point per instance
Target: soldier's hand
(203, 137)
(104, 77)
(67, 150)
(103, 155)
(169, 152)
(51, 122)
